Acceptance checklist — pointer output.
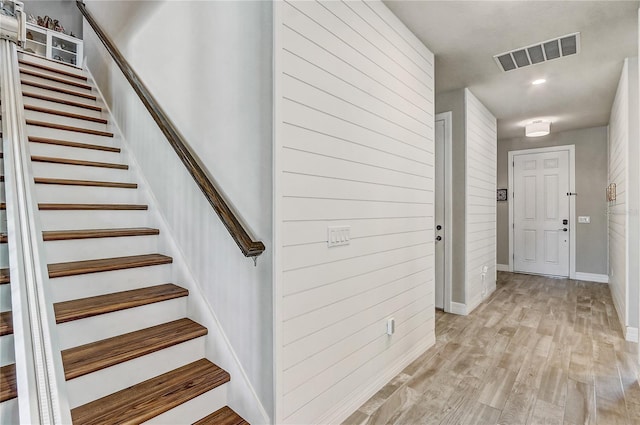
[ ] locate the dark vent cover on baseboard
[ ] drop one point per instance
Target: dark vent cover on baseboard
(539, 52)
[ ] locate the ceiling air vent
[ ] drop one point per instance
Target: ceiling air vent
(539, 52)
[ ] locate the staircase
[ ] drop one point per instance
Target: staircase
(130, 352)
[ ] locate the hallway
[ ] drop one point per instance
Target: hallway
(538, 351)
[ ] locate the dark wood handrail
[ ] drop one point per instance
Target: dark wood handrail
(248, 246)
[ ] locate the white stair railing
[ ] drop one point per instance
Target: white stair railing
(41, 384)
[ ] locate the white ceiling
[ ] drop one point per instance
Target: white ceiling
(465, 35)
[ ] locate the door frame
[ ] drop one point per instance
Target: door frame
(572, 201)
(447, 117)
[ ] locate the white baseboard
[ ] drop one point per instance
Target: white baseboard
(502, 267)
(341, 412)
(631, 334)
(592, 277)
(458, 308)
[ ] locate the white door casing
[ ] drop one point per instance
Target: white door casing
(442, 210)
(542, 197)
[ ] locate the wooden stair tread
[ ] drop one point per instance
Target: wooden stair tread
(150, 398)
(224, 416)
(6, 323)
(68, 311)
(73, 268)
(4, 276)
(67, 161)
(69, 128)
(58, 89)
(52, 69)
(64, 114)
(63, 235)
(3, 238)
(72, 144)
(8, 383)
(88, 358)
(55, 79)
(70, 182)
(61, 101)
(90, 207)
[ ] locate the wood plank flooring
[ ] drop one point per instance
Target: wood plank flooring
(538, 351)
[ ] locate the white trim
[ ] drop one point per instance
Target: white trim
(631, 334)
(572, 201)
(277, 267)
(592, 277)
(342, 411)
(447, 117)
(458, 308)
(199, 308)
(502, 267)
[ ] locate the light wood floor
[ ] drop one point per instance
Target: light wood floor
(538, 351)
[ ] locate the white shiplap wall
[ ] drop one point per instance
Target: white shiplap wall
(481, 160)
(618, 174)
(354, 146)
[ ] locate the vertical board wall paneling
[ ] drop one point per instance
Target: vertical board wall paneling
(354, 147)
(481, 174)
(618, 174)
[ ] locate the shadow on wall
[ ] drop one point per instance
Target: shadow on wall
(126, 17)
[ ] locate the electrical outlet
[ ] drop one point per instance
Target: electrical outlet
(391, 326)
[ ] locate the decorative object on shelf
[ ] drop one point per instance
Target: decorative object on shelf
(502, 195)
(32, 19)
(29, 35)
(54, 45)
(611, 192)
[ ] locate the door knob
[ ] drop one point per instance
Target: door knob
(564, 229)
(438, 238)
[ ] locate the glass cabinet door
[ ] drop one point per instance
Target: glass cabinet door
(63, 50)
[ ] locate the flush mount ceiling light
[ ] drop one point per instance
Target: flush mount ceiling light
(537, 129)
(538, 81)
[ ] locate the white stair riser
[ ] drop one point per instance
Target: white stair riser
(49, 63)
(75, 220)
(4, 255)
(50, 93)
(55, 193)
(54, 74)
(79, 172)
(28, 100)
(95, 248)
(62, 120)
(7, 350)
(103, 382)
(194, 409)
(92, 284)
(74, 136)
(57, 84)
(9, 412)
(5, 297)
(57, 151)
(96, 328)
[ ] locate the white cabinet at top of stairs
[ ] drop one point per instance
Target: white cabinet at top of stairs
(53, 45)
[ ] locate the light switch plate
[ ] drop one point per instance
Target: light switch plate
(584, 219)
(338, 235)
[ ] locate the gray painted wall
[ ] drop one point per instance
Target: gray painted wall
(64, 11)
(591, 181)
(454, 101)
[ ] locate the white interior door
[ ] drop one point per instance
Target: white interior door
(541, 213)
(440, 187)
